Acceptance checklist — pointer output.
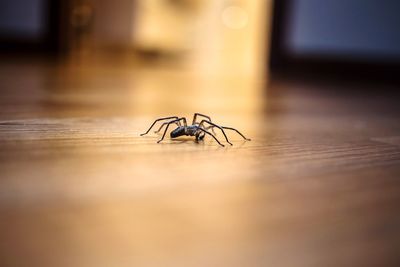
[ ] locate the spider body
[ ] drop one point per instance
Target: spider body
(197, 129)
(191, 130)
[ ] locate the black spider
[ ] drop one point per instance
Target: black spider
(197, 129)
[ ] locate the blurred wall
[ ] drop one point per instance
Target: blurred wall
(355, 28)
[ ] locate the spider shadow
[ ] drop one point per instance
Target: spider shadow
(193, 143)
(188, 142)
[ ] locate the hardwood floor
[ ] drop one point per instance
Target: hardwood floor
(318, 185)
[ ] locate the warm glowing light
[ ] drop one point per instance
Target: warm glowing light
(235, 17)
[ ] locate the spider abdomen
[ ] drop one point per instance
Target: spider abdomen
(178, 132)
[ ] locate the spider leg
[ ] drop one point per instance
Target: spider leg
(210, 127)
(207, 128)
(215, 125)
(183, 119)
(233, 129)
(160, 119)
(204, 116)
(201, 129)
(165, 123)
(200, 137)
(200, 115)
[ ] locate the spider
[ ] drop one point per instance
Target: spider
(197, 129)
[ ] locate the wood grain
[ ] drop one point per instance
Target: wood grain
(318, 185)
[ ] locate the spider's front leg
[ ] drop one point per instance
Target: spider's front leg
(199, 115)
(215, 125)
(194, 122)
(233, 129)
(200, 135)
(207, 132)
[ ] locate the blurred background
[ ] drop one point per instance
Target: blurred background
(172, 56)
(227, 36)
(313, 83)
(213, 37)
